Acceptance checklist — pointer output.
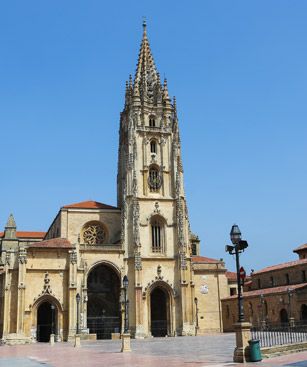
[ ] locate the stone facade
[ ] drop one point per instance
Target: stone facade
(276, 294)
(90, 246)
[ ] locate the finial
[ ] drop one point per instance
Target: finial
(144, 24)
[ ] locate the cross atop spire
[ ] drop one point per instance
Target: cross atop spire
(146, 76)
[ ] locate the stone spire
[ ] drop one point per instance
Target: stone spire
(10, 228)
(10, 222)
(146, 76)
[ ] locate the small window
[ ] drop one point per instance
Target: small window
(152, 121)
(194, 249)
(287, 279)
(153, 147)
(233, 291)
(259, 284)
(303, 275)
(272, 281)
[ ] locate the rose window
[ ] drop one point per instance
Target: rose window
(94, 234)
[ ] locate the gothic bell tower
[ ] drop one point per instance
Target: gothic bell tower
(154, 219)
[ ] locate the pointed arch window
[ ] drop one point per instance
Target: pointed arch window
(157, 235)
(152, 121)
(153, 146)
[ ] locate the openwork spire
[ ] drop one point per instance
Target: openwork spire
(146, 77)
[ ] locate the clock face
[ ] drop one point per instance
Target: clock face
(154, 179)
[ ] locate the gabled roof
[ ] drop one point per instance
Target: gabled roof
(204, 260)
(281, 266)
(27, 234)
(300, 248)
(268, 291)
(90, 204)
(52, 243)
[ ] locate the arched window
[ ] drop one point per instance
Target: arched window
(154, 179)
(157, 235)
(152, 121)
(153, 146)
(94, 233)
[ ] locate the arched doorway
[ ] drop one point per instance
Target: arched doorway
(103, 307)
(159, 312)
(304, 312)
(46, 321)
(283, 316)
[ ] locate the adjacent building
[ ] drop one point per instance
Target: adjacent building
(276, 294)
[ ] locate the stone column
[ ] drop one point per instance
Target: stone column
(243, 335)
(22, 261)
(7, 296)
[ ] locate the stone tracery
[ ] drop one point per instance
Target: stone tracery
(94, 233)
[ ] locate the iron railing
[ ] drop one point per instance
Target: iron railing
(271, 335)
(103, 326)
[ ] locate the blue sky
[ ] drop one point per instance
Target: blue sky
(239, 72)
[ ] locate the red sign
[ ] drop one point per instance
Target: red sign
(242, 273)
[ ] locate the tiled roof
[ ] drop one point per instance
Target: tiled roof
(204, 260)
(300, 248)
(281, 266)
(89, 205)
(268, 291)
(52, 243)
(231, 275)
(27, 234)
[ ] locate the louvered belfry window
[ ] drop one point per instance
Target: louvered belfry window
(157, 236)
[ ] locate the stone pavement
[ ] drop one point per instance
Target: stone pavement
(209, 350)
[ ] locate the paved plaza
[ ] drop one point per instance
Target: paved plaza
(209, 350)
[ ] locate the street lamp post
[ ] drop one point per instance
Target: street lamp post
(126, 303)
(77, 335)
(238, 246)
(242, 328)
(78, 303)
(196, 314)
(52, 319)
(52, 325)
(126, 333)
(291, 318)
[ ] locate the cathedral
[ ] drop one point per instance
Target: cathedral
(69, 278)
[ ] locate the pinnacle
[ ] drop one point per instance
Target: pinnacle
(11, 222)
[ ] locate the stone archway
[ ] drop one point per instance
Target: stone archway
(46, 321)
(103, 306)
(160, 314)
